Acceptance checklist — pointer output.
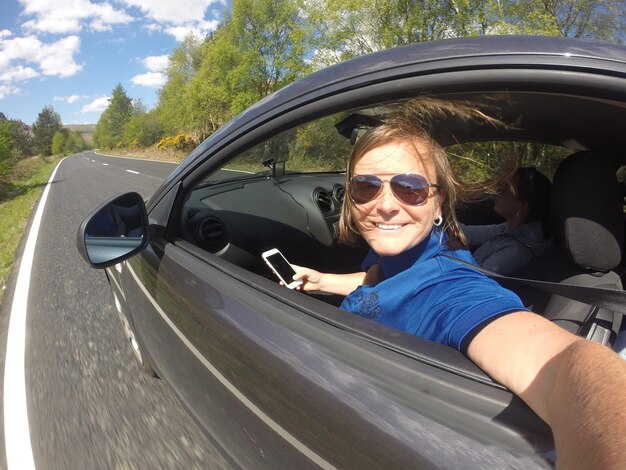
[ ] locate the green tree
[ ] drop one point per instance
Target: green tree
(66, 142)
(48, 122)
(184, 62)
(143, 130)
(58, 141)
(273, 40)
(208, 94)
(260, 47)
(588, 19)
(356, 27)
(110, 127)
(21, 137)
(7, 153)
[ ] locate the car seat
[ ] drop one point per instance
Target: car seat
(587, 223)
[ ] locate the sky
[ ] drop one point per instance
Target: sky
(70, 54)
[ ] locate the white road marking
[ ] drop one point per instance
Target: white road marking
(19, 451)
(105, 164)
(134, 172)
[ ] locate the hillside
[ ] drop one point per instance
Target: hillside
(86, 130)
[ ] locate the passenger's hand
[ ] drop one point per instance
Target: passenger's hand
(311, 279)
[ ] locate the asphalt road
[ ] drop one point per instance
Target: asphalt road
(89, 405)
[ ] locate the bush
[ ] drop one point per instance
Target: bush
(182, 142)
(142, 130)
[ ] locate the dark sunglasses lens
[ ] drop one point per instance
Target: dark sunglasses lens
(364, 188)
(410, 189)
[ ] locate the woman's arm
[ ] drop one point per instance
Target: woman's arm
(576, 386)
(479, 234)
(341, 284)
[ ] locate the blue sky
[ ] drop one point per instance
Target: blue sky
(70, 54)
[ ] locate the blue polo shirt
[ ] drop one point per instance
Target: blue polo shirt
(429, 295)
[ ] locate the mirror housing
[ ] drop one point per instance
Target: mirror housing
(114, 231)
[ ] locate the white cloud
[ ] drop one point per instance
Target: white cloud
(153, 27)
(156, 63)
(70, 16)
(69, 99)
(8, 90)
(96, 106)
(55, 59)
(155, 77)
(58, 58)
(179, 18)
(5, 33)
(150, 79)
(18, 73)
(198, 29)
(173, 11)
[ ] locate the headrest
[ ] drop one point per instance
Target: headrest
(587, 211)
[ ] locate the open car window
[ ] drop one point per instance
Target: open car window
(316, 147)
(286, 193)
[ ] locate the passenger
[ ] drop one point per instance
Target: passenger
(401, 198)
(523, 200)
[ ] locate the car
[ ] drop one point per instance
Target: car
(281, 378)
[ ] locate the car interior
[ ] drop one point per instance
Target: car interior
(286, 193)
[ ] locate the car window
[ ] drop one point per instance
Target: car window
(315, 147)
(479, 161)
(284, 193)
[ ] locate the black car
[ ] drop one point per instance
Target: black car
(285, 379)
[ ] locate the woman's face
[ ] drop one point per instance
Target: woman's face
(390, 226)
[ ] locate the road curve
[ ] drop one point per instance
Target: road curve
(89, 405)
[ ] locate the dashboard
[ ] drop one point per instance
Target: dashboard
(238, 219)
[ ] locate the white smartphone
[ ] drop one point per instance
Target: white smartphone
(281, 267)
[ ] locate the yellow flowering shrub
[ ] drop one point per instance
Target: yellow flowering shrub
(180, 141)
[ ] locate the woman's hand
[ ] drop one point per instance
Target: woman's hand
(311, 279)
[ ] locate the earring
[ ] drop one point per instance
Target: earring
(438, 221)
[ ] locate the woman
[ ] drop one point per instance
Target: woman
(523, 201)
(402, 195)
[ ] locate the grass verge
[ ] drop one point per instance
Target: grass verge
(17, 200)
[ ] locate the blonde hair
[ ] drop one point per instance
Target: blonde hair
(408, 126)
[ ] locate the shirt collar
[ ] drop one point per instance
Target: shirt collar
(431, 246)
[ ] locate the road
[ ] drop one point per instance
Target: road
(89, 405)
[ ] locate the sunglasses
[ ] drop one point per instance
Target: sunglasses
(408, 188)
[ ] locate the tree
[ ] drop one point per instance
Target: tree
(273, 40)
(143, 130)
(7, 155)
(184, 62)
(350, 29)
(208, 94)
(21, 137)
(48, 122)
(588, 19)
(66, 142)
(356, 27)
(110, 127)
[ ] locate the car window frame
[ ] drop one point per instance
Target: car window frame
(392, 86)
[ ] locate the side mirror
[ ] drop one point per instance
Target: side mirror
(115, 231)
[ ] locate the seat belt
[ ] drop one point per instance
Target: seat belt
(610, 299)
